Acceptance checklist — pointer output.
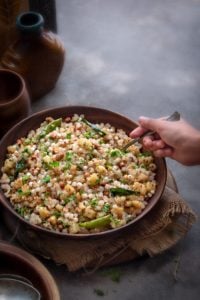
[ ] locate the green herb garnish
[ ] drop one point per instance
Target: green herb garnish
(20, 166)
(122, 192)
(46, 179)
(25, 178)
(70, 199)
(106, 208)
(93, 202)
(69, 136)
(116, 153)
(21, 193)
(69, 156)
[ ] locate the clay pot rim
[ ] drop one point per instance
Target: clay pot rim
(22, 88)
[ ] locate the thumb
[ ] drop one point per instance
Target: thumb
(148, 123)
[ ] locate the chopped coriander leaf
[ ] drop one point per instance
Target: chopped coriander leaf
(46, 179)
(89, 134)
(53, 164)
(26, 150)
(57, 214)
(23, 193)
(69, 156)
(25, 178)
(70, 199)
(27, 141)
(69, 136)
(116, 153)
(106, 207)
(21, 211)
(20, 165)
(93, 202)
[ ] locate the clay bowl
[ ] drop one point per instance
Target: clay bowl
(14, 100)
(18, 263)
(30, 232)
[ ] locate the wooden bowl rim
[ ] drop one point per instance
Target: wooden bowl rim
(152, 201)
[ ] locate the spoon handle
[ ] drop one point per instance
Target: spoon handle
(174, 117)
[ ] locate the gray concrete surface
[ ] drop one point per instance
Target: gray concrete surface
(136, 57)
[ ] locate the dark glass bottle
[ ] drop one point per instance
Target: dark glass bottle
(38, 55)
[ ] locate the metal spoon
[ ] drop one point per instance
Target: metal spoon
(174, 117)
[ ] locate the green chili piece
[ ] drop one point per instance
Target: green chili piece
(97, 223)
(50, 127)
(94, 127)
(122, 192)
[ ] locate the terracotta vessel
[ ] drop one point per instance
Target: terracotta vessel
(38, 55)
(9, 10)
(14, 100)
(17, 262)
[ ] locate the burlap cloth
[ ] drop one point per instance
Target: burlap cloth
(160, 229)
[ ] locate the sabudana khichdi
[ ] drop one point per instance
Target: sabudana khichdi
(71, 176)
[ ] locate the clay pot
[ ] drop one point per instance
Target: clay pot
(37, 55)
(17, 262)
(14, 100)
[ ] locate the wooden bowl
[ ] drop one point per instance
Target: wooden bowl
(93, 115)
(17, 262)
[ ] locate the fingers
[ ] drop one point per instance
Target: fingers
(137, 132)
(152, 124)
(146, 124)
(152, 145)
(166, 152)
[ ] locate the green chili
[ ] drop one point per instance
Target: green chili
(122, 192)
(94, 127)
(50, 127)
(97, 223)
